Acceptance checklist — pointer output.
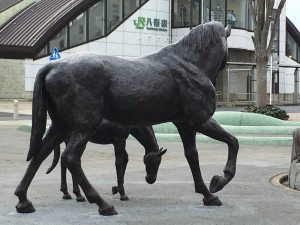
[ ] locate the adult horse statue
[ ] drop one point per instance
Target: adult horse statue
(175, 84)
(110, 133)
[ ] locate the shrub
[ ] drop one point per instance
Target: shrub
(269, 110)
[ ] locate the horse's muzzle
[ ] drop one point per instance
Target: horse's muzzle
(150, 179)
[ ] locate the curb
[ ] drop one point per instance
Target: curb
(249, 128)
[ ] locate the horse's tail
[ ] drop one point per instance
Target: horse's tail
(39, 112)
(55, 159)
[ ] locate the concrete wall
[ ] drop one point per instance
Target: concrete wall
(12, 79)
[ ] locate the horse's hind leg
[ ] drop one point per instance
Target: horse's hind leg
(52, 139)
(212, 129)
(72, 159)
(188, 137)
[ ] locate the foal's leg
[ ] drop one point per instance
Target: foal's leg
(72, 158)
(64, 185)
(63, 181)
(121, 158)
(188, 137)
(53, 138)
(212, 129)
(76, 190)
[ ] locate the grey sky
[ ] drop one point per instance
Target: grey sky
(293, 11)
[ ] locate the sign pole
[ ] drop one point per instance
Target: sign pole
(271, 81)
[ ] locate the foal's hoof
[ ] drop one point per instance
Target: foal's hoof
(108, 211)
(216, 184)
(114, 190)
(80, 199)
(213, 200)
(67, 197)
(124, 198)
(25, 207)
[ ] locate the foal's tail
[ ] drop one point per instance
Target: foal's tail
(39, 112)
(55, 159)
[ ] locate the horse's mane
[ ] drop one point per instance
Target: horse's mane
(202, 37)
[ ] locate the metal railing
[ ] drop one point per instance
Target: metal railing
(249, 100)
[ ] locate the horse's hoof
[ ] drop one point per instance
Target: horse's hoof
(25, 207)
(114, 190)
(213, 200)
(80, 199)
(67, 197)
(108, 211)
(216, 184)
(124, 198)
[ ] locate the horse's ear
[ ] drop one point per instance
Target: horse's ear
(161, 152)
(228, 30)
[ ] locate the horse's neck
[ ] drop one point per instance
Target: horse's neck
(146, 137)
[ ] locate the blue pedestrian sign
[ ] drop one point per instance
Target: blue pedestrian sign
(55, 54)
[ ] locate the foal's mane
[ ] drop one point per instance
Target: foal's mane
(202, 37)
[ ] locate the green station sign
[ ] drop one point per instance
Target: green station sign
(151, 24)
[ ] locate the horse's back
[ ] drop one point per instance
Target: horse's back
(76, 89)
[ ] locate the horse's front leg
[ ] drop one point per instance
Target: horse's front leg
(212, 129)
(72, 159)
(121, 160)
(188, 137)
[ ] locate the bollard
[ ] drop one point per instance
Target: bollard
(16, 109)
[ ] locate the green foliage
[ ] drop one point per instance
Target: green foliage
(269, 110)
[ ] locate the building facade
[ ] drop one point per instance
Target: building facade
(133, 28)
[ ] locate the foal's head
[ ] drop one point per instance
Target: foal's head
(152, 161)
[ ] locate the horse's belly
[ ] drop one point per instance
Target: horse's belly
(140, 111)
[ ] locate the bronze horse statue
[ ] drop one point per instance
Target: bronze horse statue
(175, 84)
(110, 133)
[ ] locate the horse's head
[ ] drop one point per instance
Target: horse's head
(152, 161)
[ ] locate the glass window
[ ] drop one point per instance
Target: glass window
(143, 1)
(196, 12)
(217, 10)
(130, 6)
(181, 13)
(96, 20)
(275, 44)
(249, 17)
(60, 40)
(114, 14)
(206, 11)
(237, 13)
(291, 47)
(43, 52)
(78, 30)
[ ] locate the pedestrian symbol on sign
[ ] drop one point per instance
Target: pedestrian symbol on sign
(55, 54)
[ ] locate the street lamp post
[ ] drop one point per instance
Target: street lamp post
(271, 80)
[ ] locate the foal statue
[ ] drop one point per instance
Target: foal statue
(109, 133)
(175, 84)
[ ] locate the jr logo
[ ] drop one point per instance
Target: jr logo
(140, 23)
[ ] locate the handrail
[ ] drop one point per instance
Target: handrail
(248, 94)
